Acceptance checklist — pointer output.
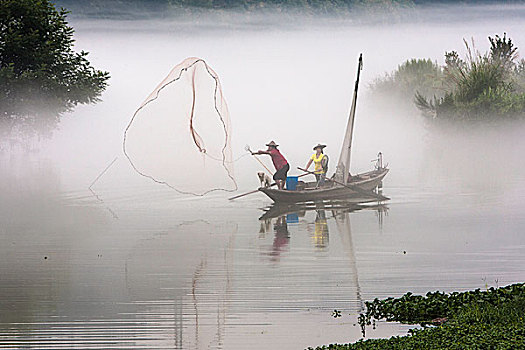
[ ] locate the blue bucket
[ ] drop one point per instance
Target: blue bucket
(291, 183)
(292, 218)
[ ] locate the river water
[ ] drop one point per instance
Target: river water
(132, 264)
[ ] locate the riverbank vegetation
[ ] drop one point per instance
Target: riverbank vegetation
(489, 319)
(412, 76)
(41, 76)
(115, 8)
(487, 86)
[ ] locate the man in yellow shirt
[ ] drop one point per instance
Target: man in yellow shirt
(321, 164)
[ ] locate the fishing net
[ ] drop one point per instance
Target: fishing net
(180, 136)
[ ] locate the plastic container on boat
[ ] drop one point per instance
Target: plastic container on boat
(291, 183)
(292, 218)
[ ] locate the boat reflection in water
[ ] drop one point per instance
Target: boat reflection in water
(320, 237)
(282, 237)
(292, 211)
(279, 216)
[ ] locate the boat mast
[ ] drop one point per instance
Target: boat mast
(343, 164)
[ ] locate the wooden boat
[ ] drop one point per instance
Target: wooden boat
(366, 182)
(341, 186)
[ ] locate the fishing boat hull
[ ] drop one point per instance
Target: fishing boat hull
(356, 191)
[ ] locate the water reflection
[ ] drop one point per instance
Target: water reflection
(338, 212)
(282, 236)
(320, 237)
(73, 277)
(298, 210)
(187, 290)
(169, 275)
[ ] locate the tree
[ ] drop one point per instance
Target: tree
(413, 75)
(41, 76)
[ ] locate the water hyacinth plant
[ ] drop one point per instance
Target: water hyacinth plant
(488, 319)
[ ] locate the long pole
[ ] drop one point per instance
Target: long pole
(247, 148)
(265, 167)
(257, 190)
(247, 193)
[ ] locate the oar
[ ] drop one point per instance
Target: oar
(247, 193)
(350, 187)
(257, 190)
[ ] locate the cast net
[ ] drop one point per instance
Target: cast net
(180, 136)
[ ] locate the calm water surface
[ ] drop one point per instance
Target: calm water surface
(145, 270)
(135, 265)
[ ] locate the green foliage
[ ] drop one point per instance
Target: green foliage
(41, 76)
(481, 86)
(449, 336)
(503, 50)
(137, 8)
(410, 77)
(491, 319)
(520, 77)
(416, 308)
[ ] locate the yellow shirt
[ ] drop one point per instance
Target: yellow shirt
(317, 161)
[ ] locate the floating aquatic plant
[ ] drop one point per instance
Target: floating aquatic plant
(479, 319)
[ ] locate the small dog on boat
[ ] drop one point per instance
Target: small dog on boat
(266, 181)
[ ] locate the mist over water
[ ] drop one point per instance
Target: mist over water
(289, 84)
(135, 264)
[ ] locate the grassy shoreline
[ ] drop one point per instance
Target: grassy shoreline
(489, 319)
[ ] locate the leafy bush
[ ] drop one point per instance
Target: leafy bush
(491, 319)
(417, 308)
(410, 77)
(481, 86)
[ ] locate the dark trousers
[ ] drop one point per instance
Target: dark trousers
(282, 173)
